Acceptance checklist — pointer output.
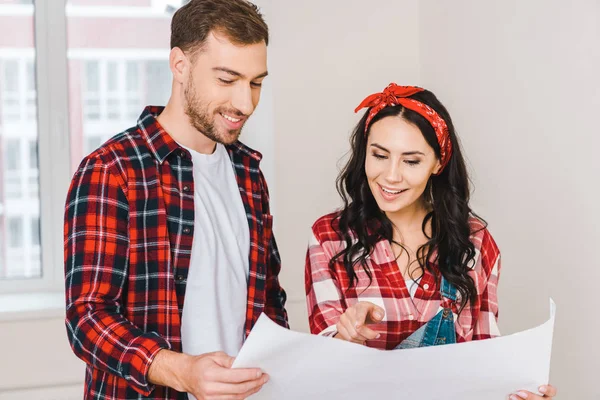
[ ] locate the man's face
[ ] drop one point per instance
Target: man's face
(223, 87)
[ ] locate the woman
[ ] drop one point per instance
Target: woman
(405, 262)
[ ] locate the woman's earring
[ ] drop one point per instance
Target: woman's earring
(431, 192)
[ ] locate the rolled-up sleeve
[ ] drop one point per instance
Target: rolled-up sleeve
(324, 298)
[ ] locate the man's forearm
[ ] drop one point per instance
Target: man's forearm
(167, 369)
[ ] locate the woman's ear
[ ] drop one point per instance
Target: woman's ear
(437, 168)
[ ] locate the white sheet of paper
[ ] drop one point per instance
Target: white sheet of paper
(303, 366)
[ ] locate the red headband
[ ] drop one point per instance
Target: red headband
(394, 95)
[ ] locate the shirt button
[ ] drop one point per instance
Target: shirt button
(426, 286)
(186, 230)
(182, 154)
(179, 278)
(411, 317)
(186, 188)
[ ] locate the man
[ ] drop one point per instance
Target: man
(176, 209)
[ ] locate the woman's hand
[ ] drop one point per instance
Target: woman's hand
(352, 325)
(548, 391)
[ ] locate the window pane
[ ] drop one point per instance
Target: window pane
(33, 155)
(30, 78)
(91, 76)
(13, 154)
(92, 143)
(20, 255)
(133, 76)
(91, 108)
(158, 76)
(11, 76)
(113, 76)
(134, 107)
(15, 232)
(12, 109)
(35, 231)
(113, 108)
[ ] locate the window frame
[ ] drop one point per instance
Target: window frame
(51, 74)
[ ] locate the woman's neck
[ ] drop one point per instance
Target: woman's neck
(408, 222)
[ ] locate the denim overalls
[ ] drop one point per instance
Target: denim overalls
(440, 329)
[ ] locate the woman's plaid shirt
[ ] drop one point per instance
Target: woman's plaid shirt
(329, 293)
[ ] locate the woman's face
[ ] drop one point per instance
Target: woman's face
(399, 163)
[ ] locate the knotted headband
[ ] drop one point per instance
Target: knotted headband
(394, 95)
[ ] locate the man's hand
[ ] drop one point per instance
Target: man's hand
(206, 377)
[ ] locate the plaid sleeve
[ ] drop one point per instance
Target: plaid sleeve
(486, 326)
(275, 295)
(323, 295)
(96, 269)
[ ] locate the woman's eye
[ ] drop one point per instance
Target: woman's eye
(412, 162)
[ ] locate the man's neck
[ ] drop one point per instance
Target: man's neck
(177, 124)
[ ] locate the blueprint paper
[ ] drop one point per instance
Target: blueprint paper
(303, 366)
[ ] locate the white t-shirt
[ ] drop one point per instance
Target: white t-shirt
(412, 285)
(214, 311)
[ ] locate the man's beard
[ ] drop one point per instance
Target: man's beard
(201, 119)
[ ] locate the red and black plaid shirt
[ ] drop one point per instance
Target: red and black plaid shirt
(129, 225)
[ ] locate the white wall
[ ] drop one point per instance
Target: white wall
(37, 362)
(521, 79)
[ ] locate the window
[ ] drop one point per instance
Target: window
(101, 64)
(19, 201)
(116, 91)
(113, 77)
(19, 184)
